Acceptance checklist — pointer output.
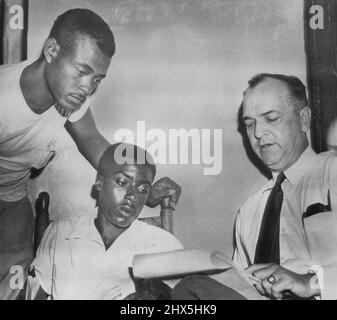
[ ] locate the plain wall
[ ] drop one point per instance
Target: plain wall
(179, 64)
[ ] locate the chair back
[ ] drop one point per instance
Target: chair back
(41, 218)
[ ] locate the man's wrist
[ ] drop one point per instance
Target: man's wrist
(150, 203)
(314, 284)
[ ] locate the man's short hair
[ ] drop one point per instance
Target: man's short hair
(78, 22)
(123, 151)
(295, 85)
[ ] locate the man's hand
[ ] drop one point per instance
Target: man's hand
(164, 188)
(277, 281)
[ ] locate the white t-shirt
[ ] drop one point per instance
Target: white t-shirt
(27, 139)
(72, 255)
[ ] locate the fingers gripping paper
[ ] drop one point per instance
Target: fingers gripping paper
(179, 262)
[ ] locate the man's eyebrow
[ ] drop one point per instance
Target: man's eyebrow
(269, 112)
(145, 182)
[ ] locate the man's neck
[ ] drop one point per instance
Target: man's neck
(34, 87)
(109, 233)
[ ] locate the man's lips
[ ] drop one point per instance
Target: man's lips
(78, 98)
(126, 210)
(265, 146)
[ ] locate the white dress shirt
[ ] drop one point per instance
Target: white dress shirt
(312, 179)
(72, 255)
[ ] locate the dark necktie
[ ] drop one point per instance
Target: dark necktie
(268, 246)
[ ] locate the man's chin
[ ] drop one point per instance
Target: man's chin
(64, 111)
(275, 167)
(122, 224)
(272, 164)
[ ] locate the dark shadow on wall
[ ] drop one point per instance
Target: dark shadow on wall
(255, 160)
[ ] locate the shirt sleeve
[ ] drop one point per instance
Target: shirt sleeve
(167, 242)
(43, 262)
(239, 256)
(327, 278)
(327, 275)
(327, 272)
(77, 115)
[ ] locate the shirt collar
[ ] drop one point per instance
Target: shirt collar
(85, 229)
(296, 171)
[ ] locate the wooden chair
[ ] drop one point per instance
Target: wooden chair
(41, 218)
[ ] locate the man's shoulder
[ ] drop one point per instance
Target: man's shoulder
(324, 163)
(257, 191)
(154, 234)
(10, 89)
(65, 226)
(7, 69)
(141, 226)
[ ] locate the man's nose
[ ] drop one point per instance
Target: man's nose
(131, 194)
(87, 86)
(259, 130)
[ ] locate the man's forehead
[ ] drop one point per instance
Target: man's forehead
(134, 170)
(86, 51)
(269, 86)
(271, 93)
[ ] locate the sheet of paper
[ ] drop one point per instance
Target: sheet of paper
(179, 262)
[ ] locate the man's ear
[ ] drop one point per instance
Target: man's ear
(96, 190)
(305, 115)
(51, 49)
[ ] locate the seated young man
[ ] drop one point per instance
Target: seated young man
(89, 257)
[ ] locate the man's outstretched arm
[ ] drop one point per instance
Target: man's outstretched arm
(88, 139)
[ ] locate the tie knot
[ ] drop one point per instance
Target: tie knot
(280, 178)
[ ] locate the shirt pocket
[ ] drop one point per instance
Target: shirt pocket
(321, 232)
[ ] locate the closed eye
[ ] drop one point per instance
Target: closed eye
(248, 123)
(272, 119)
(81, 72)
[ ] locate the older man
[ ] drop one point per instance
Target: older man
(37, 100)
(278, 230)
(277, 120)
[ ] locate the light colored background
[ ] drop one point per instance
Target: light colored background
(179, 64)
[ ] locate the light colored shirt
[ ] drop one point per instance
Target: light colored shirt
(312, 179)
(27, 140)
(73, 257)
